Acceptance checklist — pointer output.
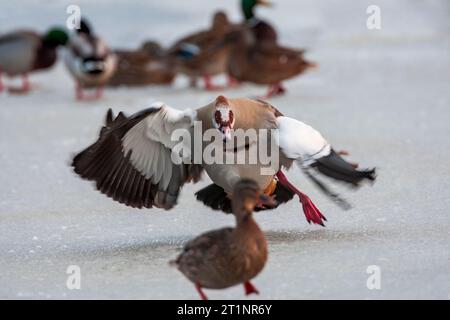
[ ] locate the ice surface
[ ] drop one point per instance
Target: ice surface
(382, 95)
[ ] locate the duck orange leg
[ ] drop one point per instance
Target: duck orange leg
(311, 212)
(25, 86)
(274, 90)
(250, 288)
(209, 86)
(232, 82)
(99, 93)
(81, 96)
(200, 292)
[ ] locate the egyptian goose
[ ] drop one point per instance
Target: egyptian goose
(22, 52)
(143, 66)
(262, 30)
(227, 257)
(203, 54)
(133, 163)
(266, 64)
(89, 61)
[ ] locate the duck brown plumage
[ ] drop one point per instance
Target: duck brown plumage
(143, 66)
(230, 256)
(264, 63)
(203, 54)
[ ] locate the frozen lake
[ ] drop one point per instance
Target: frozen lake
(383, 95)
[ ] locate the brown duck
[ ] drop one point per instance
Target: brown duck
(227, 257)
(203, 54)
(143, 66)
(263, 62)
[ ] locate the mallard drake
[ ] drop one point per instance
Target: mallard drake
(227, 257)
(89, 61)
(143, 66)
(22, 52)
(266, 63)
(203, 54)
(132, 160)
(261, 29)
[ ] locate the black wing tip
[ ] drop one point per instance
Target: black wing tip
(109, 117)
(334, 166)
(371, 174)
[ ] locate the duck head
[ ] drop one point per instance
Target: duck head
(249, 5)
(55, 37)
(223, 117)
(220, 21)
(246, 194)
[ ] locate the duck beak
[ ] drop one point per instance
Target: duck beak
(249, 207)
(264, 3)
(226, 133)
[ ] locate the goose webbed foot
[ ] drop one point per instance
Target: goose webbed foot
(200, 292)
(250, 288)
(312, 213)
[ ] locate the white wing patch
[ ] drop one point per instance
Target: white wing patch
(297, 140)
(150, 142)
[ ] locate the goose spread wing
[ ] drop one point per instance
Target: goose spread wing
(131, 160)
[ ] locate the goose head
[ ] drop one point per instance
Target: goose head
(223, 117)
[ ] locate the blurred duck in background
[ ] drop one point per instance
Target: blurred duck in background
(143, 66)
(261, 29)
(203, 54)
(89, 61)
(265, 64)
(22, 52)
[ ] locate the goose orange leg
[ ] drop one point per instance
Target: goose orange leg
(311, 212)
(250, 288)
(200, 292)
(209, 86)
